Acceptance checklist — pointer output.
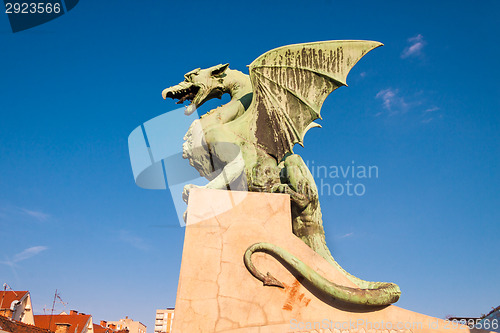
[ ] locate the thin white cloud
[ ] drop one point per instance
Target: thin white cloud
(37, 215)
(350, 234)
(135, 241)
(430, 114)
(28, 253)
(415, 48)
(9, 212)
(8, 262)
(394, 103)
(432, 109)
(391, 101)
(23, 255)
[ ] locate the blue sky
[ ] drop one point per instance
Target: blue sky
(423, 109)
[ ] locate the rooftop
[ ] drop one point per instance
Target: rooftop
(77, 322)
(9, 325)
(7, 297)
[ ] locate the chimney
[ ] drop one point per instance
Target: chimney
(103, 323)
(73, 312)
(62, 327)
(126, 317)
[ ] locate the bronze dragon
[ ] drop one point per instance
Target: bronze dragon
(269, 112)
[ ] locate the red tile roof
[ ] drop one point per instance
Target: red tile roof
(17, 327)
(100, 329)
(7, 297)
(77, 321)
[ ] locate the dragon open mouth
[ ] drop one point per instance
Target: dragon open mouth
(182, 94)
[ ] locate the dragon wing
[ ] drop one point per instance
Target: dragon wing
(291, 83)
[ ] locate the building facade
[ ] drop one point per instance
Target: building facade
(164, 320)
(127, 323)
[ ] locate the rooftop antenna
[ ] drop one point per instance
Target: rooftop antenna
(57, 296)
(5, 286)
(52, 311)
(60, 299)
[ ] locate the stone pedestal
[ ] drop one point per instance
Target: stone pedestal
(216, 293)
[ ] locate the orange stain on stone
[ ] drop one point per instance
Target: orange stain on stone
(293, 297)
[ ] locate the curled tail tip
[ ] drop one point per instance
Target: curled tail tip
(395, 292)
(270, 280)
(392, 290)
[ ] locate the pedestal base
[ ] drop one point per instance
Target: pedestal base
(216, 293)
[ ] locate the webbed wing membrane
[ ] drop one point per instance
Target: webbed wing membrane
(291, 83)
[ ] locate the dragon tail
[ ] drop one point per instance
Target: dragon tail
(376, 293)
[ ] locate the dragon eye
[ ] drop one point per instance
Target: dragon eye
(189, 76)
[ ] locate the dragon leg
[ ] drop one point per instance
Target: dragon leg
(384, 294)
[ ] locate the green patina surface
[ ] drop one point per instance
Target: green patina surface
(248, 143)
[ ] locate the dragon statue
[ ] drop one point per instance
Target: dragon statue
(250, 141)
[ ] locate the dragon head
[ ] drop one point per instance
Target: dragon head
(199, 86)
